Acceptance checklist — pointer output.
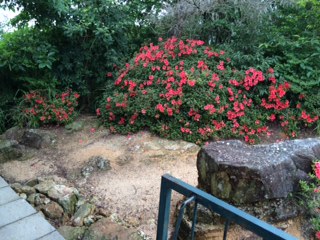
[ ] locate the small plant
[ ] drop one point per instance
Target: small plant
(311, 198)
(37, 109)
(186, 90)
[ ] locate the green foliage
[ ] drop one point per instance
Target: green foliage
(184, 90)
(293, 49)
(77, 42)
(26, 60)
(2, 121)
(311, 199)
(37, 109)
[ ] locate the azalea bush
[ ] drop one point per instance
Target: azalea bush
(311, 198)
(186, 90)
(38, 109)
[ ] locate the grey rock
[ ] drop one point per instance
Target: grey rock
(17, 187)
(87, 171)
(9, 150)
(52, 210)
(45, 186)
(103, 164)
(28, 190)
(72, 233)
(59, 191)
(238, 173)
(84, 211)
(88, 220)
(36, 138)
(23, 196)
(14, 133)
(95, 163)
(32, 182)
(66, 197)
(37, 199)
(75, 126)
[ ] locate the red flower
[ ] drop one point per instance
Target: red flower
(109, 74)
(317, 169)
(191, 83)
(98, 112)
(160, 107)
(76, 95)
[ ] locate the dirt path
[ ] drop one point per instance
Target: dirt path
(131, 188)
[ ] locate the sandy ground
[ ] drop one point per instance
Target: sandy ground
(131, 188)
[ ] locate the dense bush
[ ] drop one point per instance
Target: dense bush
(310, 198)
(185, 90)
(38, 109)
(293, 48)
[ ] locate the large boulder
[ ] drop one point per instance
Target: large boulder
(240, 173)
(256, 179)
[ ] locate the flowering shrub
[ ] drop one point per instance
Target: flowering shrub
(186, 90)
(36, 109)
(311, 198)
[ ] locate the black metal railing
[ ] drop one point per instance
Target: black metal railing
(225, 210)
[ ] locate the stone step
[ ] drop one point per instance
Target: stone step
(7, 195)
(3, 183)
(20, 221)
(13, 211)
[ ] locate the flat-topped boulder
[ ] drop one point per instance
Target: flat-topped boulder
(240, 173)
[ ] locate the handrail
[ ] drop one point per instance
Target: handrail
(225, 210)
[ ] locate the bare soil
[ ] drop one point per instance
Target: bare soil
(130, 190)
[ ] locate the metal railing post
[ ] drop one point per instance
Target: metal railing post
(225, 210)
(164, 210)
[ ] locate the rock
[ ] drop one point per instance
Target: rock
(72, 233)
(52, 210)
(95, 163)
(45, 186)
(75, 126)
(14, 133)
(87, 171)
(88, 220)
(32, 182)
(9, 150)
(28, 190)
(84, 211)
(31, 198)
(238, 173)
(38, 199)
(105, 229)
(23, 196)
(59, 191)
(37, 138)
(66, 197)
(103, 164)
(17, 187)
